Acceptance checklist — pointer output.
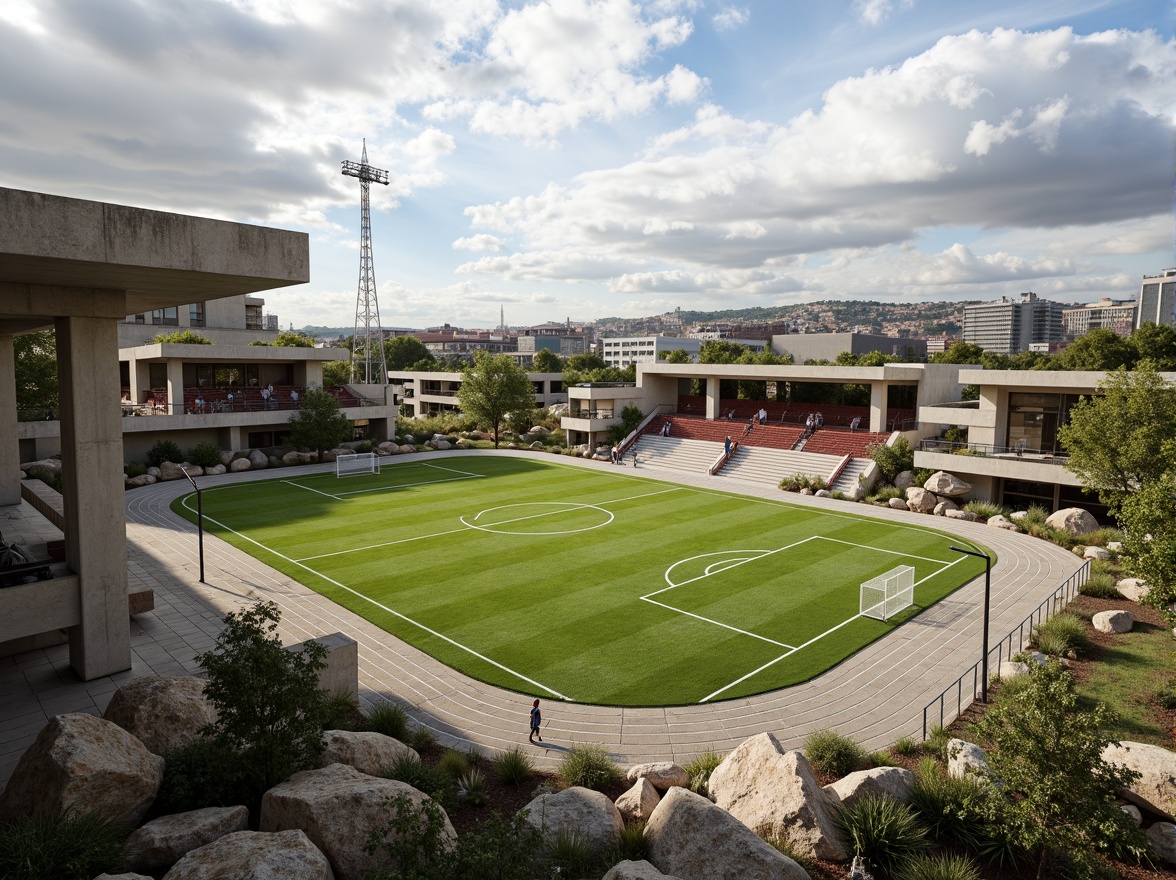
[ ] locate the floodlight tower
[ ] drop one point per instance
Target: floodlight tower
(367, 345)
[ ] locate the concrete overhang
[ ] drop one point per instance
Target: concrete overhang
(789, 373)
(164, 351)
(61, 256)
(1051, 381)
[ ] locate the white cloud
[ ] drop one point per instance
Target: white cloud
(731, 17)
(982, 135)
(874, 12)
(481, 242)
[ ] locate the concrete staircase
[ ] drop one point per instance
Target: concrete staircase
(756, 464)
(848, 479)
(677, 453)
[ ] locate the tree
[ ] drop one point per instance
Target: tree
(547, 361)
(1046, 758)
(493, 387)
(319, 424)
(1117, 440)
(631, 417)
(336, 373)
(583, 363)
(270, 709)
(677, 356)
(36, 372)
(893, 460)
(721, 351)
(182, 337)
(1100, 349)
(958, 353)
(1156, 343)
(288, 340)
(403, 351)
(1148, 519)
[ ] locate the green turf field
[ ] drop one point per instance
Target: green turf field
(593, 585)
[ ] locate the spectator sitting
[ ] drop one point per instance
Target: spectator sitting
(857, 420)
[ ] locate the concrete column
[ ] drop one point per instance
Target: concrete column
(878, 406)
(712, 398)
(175, 387)
(140, 380)
(92, 493)
(9, 433)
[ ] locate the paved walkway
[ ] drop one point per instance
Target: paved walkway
(873, 697)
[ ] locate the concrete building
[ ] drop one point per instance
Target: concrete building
(826, 346)
(426, 394)
(1009, 325)
(1106, 314)
(81, 267)
(625, 350)
(564, 340)
(235, 320)
(1157, 299)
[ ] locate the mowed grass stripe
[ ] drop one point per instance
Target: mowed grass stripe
(565, 609)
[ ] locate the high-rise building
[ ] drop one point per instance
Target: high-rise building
(1106, 314)
(1157, 299)
(1011, 325)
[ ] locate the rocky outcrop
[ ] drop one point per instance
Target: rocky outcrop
(164, 841)
(966, 759)
(1113, 621)
(639, 802)
(164, 711)
(775, 792)
(1157, 768)
(691, 838)
(253, 855)
(629, 870)
(588, 812)
(83, 763)
(366, 751)
(920, 500)
(338, 807)
(946, 485)
(1073, 520)
(891, 782)
(258, 460)
(662, 775)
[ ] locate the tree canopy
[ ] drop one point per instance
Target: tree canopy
(288, 340)
(677, 356)
(182, 337)
(547, 361)
(336, 373)
(36, 373)
(492, 388)
(406, 352)
(319, 423)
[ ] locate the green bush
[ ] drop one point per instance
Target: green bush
(474, 757)
(134, 469)
(944, 866)
(569, 852)
(951, 809)
(880, 759)
(883, 831)
(513, 766)
(632, 845)
(410, 769)
(700, 770)
(165, 450)
(1036, 515)
(422, 739)
(69, 846)
(589, 766)
(1167, 695)
(906, 747)
(833, 753)
(341, 711)
(885, 493)
(453, 763)
(206, 454)
(936, 742)
(986, 509)
(1101, 586)
(389, 720)
(471, 787)
(203, 774)
(892, 460)
(183, 337)
(1061, 634)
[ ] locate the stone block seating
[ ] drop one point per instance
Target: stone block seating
(688, 428)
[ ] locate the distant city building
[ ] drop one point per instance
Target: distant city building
(940, 344)
(1157, 299)
(1046, 347)
(446, 341)
(1106, 314)
(1011, 325)
(737, 331)
(826, 346)
(562, 339)
(620, 352)
(235, 319)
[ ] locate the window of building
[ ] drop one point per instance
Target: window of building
(157, 375)
(169, 317)
(1021, 494)
(196, 314)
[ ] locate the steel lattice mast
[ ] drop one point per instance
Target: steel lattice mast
(367, 345)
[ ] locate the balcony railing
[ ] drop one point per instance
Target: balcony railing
(1016, 452)
(592, 414)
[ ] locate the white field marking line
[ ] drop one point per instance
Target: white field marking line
(815, 638)
(308, 489)
(381, 544)
(880, 550)
(383, 607)
(762, 554)
(442, 467)
(493, 530)
(408, 485)
(720, 567)
(717, 623)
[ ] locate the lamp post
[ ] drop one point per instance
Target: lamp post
(199, 523)
(984, 640)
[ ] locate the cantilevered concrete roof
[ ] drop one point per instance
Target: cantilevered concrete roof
(62, 256)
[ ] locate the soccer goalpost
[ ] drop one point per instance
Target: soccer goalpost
(357, 463)
(886, 595)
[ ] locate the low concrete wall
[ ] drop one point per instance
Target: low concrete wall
(341, 675)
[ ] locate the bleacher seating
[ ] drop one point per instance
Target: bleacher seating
(835, 415)
(832, 441)
(689, 428)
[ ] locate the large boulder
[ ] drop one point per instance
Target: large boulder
(944, 506)
(1163, 840)
(83, 763)
(904, 480)
(775, 792)
(1093, 552)
(1132, 588)
(891, 782)
(1001, 522)
(691, 838)
(1113, 621)
(920, 500)
(338, 807)
(295, 457)
(215, 471)
(965, 515)
(629, 870)
(965, 759)
(164, 711)
(164, 841)
(237, 465)
(367, 751)
(1157, 768)
(253, 855)
(1073, 520)
(588, 812)
(663, 774)
(639, 802)
(258, 460)
(946, 485)
(169, 470)
(896, 504)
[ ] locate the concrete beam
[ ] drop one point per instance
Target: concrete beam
(9, 432)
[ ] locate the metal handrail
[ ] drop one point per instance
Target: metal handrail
(984, 450)
(1060, 598)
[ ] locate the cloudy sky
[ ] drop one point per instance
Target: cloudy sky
(591, 158)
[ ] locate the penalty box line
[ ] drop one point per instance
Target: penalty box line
(815, 639)
(385, 608)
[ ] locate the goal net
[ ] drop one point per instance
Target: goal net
(886, 595)
(358, 463)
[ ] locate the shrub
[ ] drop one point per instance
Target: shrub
(202, 774)
(880, 759)
(936, 742)
(134, 469)
(632, 844)
(589, 766)
(1101, 586)
(412, 770)
(513, 766)
(69, 846)
(883, 831)
(833, 753)
(471, 787)
(802, 481)
(389, 720)
(700, 770)
(570, 852)
(183, 337)
(905, 746)
(892, 460)
(1167, 695)
(1036, 515)
(165, 450)
(270, 709)
(885, 493)
(1061, 634)
(422, 739)
(944, 866)
(341, 709)
(950, 808)
(986, 509)
(206, 454)
(453, 763)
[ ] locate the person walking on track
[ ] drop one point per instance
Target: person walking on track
(536, 719)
